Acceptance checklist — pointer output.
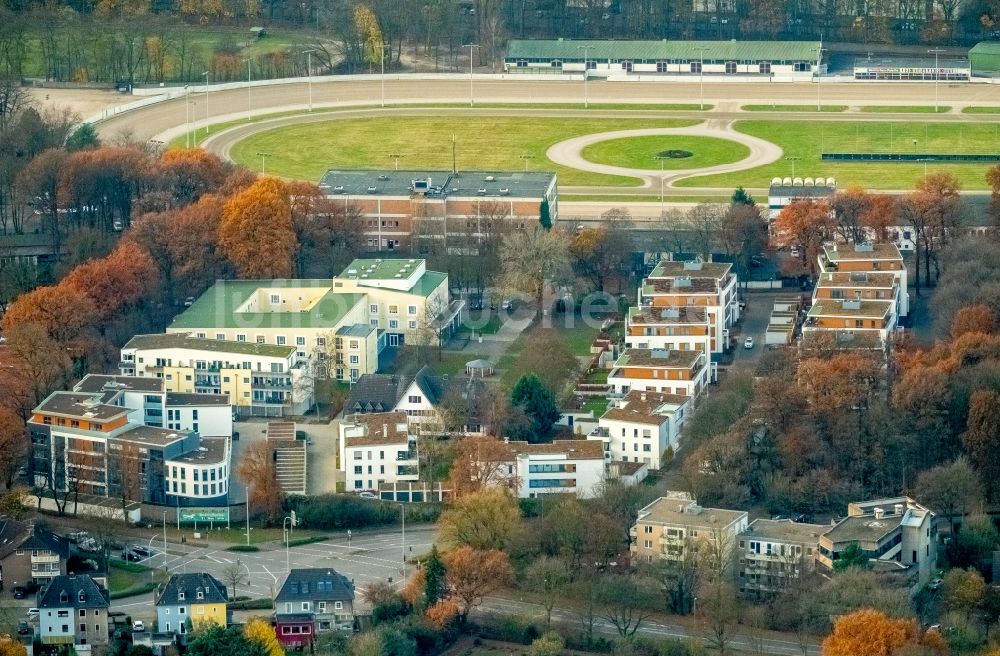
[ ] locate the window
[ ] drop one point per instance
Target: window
(201, 595)
(412, 310)
(648, 544)
(300, 341)
(280, 340)
(393, 309)
(220, 336)
(764, 68)
(627, 65)
(393, 324)
(647, 529)
(661, 67)
(357, 469)
(181, 610)
(802, 67)
(321, 341)
(731, 68)
(373, 308)
(305, 605)
(696, 67)
(83, 628)
(338, 605)
(413, 325)
(321, 606)
(355, 359)
(241, 338)
(83, 612)
(275, 299)
(260, 339)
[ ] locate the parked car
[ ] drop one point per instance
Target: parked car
(189, 301)
(748, 343)
(145, 552)
(236, 436)
(89, 545)
(19, 592)
(131, 556)
(23, 628)
(32, 613)
(76, 536)
(368, 495)
(507, 305)
(138, 626)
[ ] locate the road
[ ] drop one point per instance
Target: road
(363, 558)
(769, 642)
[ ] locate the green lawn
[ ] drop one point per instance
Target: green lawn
(127, 579)
(597, 377)
(237, 534)
(481, 142)
(806, 140)
(668, 107)
(485, 322)
(981, 109)
(595, 404)
(793, 108)
(904, 109)
(640, 198)
(578, 336)
(641, 152)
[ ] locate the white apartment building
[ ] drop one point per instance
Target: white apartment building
(641, 426)
(708, 286)
(675, 527)
(659, 370)
(560, 467)
(377, 448)
(338, 326)
(151, 403)
(868, 257)
(259, 379)
(682, 328)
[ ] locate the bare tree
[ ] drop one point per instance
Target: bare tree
(233, 574)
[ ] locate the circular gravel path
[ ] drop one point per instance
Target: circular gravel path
(570, 152)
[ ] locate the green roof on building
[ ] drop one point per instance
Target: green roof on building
(753, 51)
(428, 282)
(186, 341)
(216, 308)
(381, 269)
(984, 58)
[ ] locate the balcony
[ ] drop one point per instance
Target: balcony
(45, 559)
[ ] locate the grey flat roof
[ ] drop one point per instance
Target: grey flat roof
(208, 452)
(802, 191)
(569, 50)
(97, 383)
(784, 530)
(187, 399)
(186, 341)
(84, 406)
(357, 182)
(150, 435)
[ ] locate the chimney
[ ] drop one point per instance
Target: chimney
(642, 397)
(385, 430)
(680, 508)
(879, 513)
(898, 508)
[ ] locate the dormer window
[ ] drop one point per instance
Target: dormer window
(180, 595)
(63, 597)
(201, 595)
(82, 597)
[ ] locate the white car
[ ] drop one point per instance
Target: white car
(33, 613)
(138, 626)
(748, 343)
(368, 495)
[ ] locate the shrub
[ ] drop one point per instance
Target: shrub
(298, 542)
(550, 644)
(343, 511)
(250, 604)
(243, 547)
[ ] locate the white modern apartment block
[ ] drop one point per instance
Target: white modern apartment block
(708, 286)
(641, 426)
(675, 527)
(659, 370)
(668, 327)
(775, 553)
(151, 403)
(259, 379)
(870, 257)
(377, 448)
(560, 467)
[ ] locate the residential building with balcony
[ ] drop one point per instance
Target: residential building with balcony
(151, 403)
(377, 448)
(84, 442)
(676, 528)
(881, 257)
(708, 286)
(73, 610)
(660, 370)
(310, 602)
(774, 554)
(641, 426)
(259, 379)
(559, 467)
(338, 326)
(896, 532)
(852, 316)
(30, 554)
(198, 597)
(682, 328)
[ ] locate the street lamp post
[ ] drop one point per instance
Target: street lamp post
(470, 46)
(937, 75)
(396, 157)
(165, 542)
(526, 157)
(187, 116)
(701, 76)
(661, 158)
(205, 75)
(309, 79)
(819, 103)
(586, 76)
(263, 158)
(248, 514)
(793, 160)
(381, 47)
(287, 531)
(249, 102)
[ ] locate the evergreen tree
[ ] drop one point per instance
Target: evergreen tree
(82, 138)
(544, 217)
(741, 197)
(539, 406)
(433, 578)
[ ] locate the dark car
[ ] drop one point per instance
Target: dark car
(23, 628)
(145, 552)
(19, 592)
(131, 556)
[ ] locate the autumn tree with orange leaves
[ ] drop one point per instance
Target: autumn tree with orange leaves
(481, 462)
(982, 438)
(870, 633)
(256, 470)
(471, 575)
(977, 318)
(256, 232)
(805, 224)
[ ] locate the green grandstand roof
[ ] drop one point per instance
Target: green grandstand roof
(216, 308)
(570, 50)
(984, 58)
